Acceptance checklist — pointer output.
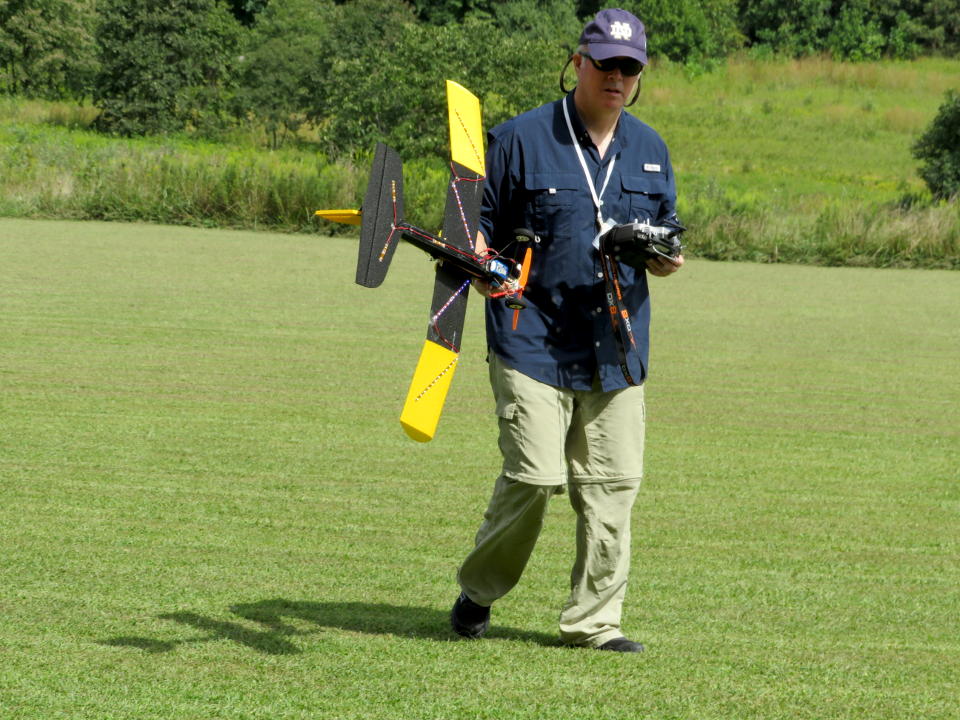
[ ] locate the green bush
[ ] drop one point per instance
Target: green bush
(352, 84)
(939, 150)
(552, 21)
(686, 31)
(353, 107)
(280, 63)
(795, 28)
(852, 29)
(164, 66)
(47, 47)
(855, 35)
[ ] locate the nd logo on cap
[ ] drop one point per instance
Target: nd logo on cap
(621, 31)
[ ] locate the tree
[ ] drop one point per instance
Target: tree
(550, 21)
(684, 31)
(166, 65)
(939, 150)
(856, 33)
(444, 12)
(47, 47)
(246, 11)
(942, 21)
(281, 61)
(853, 29)
(796, 28)
(384, 77)
(356, 72)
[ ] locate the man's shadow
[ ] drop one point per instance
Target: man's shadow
(279, 621)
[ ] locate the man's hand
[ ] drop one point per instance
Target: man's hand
(661, 266)
(481, 286)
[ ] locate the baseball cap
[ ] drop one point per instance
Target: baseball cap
(615, 33)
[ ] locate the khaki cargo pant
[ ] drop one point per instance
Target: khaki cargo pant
(592, 441)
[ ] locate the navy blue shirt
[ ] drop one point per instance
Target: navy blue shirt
(534, 180)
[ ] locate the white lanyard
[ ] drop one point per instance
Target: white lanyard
(597, 202)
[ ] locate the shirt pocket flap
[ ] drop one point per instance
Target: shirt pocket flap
(645, 185)
(551, 181)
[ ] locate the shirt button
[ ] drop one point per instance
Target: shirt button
(597, 343)
(599, 274)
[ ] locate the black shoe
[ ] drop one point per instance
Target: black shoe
(468, 618)
(621, 644)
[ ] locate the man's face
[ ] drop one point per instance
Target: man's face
(604, 89)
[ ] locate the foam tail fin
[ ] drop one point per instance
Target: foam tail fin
(382, 211)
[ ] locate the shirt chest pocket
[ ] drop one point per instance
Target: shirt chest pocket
(646, 196)
(549, 204)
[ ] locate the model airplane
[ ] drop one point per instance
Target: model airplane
(382, 225)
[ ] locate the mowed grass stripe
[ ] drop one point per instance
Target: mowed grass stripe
(207, 508)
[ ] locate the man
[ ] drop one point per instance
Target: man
(568, 388)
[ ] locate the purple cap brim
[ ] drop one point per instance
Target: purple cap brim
(603, 51)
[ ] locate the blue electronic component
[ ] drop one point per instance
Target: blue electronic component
(498, 269)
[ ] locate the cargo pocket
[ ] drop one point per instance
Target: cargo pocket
(506, 409)
(511, 437)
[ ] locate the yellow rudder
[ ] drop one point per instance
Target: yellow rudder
(428, 391)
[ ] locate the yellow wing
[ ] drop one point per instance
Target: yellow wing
(438, 358)
(466, 128)
(428, 391)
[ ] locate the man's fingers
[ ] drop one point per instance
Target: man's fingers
(662, 267)
(481, 286)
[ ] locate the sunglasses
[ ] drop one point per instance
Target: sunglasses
(627, 66)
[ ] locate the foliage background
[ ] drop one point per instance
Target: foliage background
(939, 149)
(252, 113)
(199, 65)
(164, 66)
(804, 160)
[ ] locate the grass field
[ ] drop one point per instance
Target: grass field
(208, 509)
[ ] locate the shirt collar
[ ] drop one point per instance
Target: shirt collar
(579, 129)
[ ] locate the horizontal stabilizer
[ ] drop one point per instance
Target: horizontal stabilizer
(382, 211)
(348, 217)
(428, 391)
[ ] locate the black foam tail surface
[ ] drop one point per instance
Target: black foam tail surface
(382, 211)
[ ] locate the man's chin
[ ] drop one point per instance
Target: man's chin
(613, 100)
